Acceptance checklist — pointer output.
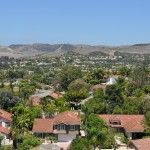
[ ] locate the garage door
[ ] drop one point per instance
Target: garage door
(66, 137)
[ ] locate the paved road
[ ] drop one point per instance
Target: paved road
(83, 101)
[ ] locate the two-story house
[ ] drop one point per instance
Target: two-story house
(5, 122)
(131, 125)
(64, 126)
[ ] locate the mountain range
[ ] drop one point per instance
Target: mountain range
(26, 50)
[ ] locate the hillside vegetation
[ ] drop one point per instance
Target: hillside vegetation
(22, 50)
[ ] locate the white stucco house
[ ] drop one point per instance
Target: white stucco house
(5, 123)
(111, 80)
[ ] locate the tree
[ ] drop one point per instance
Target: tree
(117, 110)
(11, 74)
(113, 97)
(50, 109)
(44, 102)
(29, 142)
(96, 129)
(124, 71)
(79, 144)
(2, 77)
(76, 96)
(139, 77)
(110, 142)
(121, 82)
(7, 100)
(62, 105)
(97, 104)
(77, 85)
(26, 91)
(132, 106)
(146, 104)
(147, 123)
(23, 119)
(1, 139)
(98, 74)
(146, 89)
(67, 75)
(138, 92)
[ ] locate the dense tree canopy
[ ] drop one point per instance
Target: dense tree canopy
(67, 75)
(139, 77)
(77, 85)
(79, 144)
(113, 97)
(8, 100)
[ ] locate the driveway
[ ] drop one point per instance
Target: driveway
(64, 145)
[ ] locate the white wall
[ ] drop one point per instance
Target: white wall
(4, 122)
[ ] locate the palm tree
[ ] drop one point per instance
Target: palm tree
(86, 112)
(2, 77)
(98, 74)
(11, 75)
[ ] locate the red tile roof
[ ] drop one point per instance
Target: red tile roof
(43, 125)
(4, 130)
(6, 115)
(36, 101)
(55, 95)
(142, 144)
(98, 86)
(46, 125)
(67, 118)
(128, 122)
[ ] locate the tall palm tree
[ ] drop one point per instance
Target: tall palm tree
(2, 77)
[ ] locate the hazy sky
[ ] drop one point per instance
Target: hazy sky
(96, 22)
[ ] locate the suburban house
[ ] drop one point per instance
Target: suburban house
(98, 86)
(5, 122)
(64, 126)
(55, 96)
(140, 144)
(131, 125)
(36, 101)
(111, 80)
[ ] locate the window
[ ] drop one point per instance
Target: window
(55, 127)
(72, 127)
(60, 127)
(115, 122)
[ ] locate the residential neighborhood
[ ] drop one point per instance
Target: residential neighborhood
(100, 109)
(74, 75)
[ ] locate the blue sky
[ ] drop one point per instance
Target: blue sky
(93, 22)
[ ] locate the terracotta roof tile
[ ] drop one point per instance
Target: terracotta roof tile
(128, 122)
(4, 130)
(134, 125)
(67, 118)
(98, 86)
(142, 144)
(43, 125)
(55, 95)
(36, 101)
(46, 125)
(114, 118)
(6, 115)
